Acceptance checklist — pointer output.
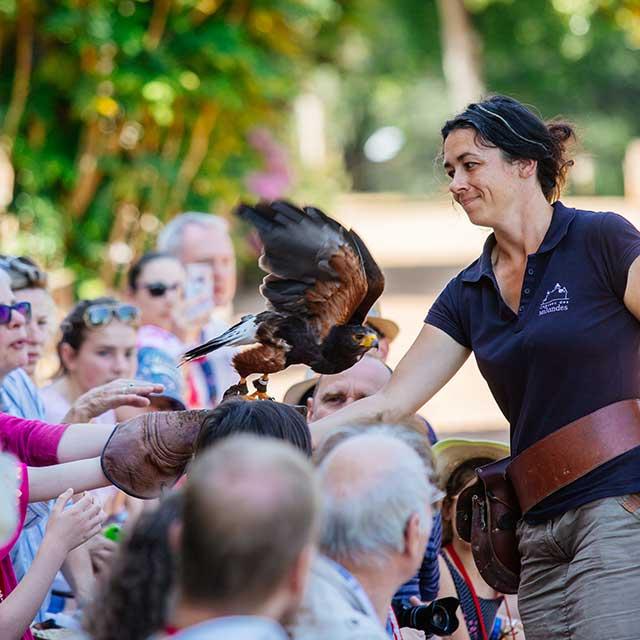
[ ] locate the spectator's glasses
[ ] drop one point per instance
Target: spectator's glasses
(100, 315)
(158, 289)
(23, 308)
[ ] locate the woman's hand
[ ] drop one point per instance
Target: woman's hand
(114, 394)
(69, 528)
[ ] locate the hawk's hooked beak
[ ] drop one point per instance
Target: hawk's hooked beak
(370, 341)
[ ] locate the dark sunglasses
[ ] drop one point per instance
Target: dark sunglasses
(23, 308)
(158, 289)
(101, 314)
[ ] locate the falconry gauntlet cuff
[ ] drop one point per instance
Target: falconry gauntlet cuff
(148, 453)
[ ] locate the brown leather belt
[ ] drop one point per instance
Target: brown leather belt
(573, 451)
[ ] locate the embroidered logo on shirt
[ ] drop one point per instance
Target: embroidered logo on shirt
(556, 300)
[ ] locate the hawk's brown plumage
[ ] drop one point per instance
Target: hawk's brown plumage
(321, 282)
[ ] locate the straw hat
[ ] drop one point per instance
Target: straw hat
(450, 453)
(296, 391)
(388, 328)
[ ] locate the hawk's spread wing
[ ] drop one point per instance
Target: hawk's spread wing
(375, 280)
(316, 268)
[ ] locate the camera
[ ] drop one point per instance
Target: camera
(438, 618)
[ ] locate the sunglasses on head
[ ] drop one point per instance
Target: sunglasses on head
(101, 314)
(158, 289)
(23, 308)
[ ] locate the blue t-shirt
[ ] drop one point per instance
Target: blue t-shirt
(572, 348)
(19, 396)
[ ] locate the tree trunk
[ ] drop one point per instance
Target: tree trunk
(157, 23)
(196, 153)
(461, 54)
(24, 61)
(88, 176)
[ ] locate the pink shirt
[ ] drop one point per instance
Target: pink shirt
(34, 443)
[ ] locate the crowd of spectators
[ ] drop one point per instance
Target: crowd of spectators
(269, 534)
(136, 502)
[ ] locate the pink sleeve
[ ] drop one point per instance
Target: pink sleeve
(23, 501)
(33, 442)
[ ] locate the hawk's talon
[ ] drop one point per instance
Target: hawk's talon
(261, 389)
(237, 390)
(259, 395)
(261, 384)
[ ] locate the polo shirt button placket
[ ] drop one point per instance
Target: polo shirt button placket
(526, 292)
(519, 318)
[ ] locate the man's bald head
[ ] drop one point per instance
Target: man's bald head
(372, 485)
(332, 393)
(251, 508)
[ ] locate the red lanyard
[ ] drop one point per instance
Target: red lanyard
(395, 627)
(463, 572)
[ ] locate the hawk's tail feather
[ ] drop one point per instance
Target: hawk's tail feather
(244, 332)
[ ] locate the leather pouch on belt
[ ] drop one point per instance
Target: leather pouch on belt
(147, 454)
(486, 516)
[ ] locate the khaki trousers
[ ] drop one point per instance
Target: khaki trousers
(581, 573)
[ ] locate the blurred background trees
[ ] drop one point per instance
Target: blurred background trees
(116, 114)
(408, 64)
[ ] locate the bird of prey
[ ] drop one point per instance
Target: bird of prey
(321, 282)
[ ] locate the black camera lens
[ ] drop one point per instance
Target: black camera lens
(438, 618)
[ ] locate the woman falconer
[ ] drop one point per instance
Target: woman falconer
(551, 311)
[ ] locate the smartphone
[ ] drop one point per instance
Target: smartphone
(199, 290)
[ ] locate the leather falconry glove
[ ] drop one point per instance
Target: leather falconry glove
(147, 454)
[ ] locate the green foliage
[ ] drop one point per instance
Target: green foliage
(137, 109)
(119, 113)
(578, 59)
(575, 58)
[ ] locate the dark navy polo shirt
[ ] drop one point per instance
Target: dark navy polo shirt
(572, 348)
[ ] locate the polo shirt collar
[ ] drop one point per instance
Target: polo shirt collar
(562, 218)
(482, 266)
(560, 221)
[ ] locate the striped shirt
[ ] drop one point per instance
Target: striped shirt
(425, 583)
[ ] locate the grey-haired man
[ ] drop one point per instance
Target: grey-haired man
(203, 238)
(376, 524)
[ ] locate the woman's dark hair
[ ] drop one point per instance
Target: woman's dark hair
(138, 266)
(133, 602)
(461, 475)
(263, 418)
(520, 134)
(73, 328)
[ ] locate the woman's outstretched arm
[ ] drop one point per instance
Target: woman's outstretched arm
(46, 483)
(430, 363)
